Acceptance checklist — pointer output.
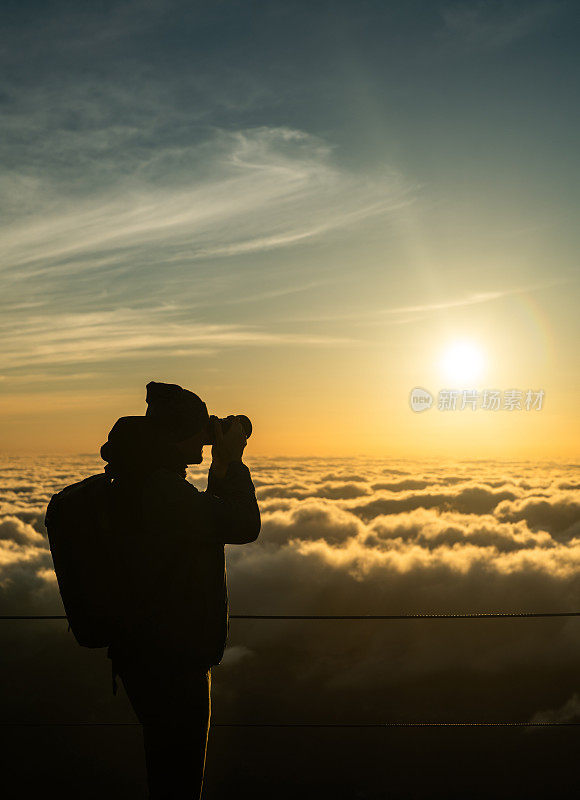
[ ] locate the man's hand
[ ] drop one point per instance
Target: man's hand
(227, 448)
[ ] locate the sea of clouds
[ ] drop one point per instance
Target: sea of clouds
(345, 536)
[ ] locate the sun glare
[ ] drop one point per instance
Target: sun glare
(462, 362)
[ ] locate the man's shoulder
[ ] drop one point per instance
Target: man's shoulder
(169, 498)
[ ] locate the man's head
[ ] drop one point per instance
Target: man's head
(180, 416)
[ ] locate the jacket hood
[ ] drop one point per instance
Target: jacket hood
(135, 447)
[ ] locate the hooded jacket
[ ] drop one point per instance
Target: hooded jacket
(171, 541)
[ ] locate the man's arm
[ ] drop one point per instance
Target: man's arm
(227, 512)
(229, 485)
(232, 502)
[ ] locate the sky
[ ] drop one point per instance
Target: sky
(299, 211)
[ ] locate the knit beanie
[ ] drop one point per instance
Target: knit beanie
(176, 412)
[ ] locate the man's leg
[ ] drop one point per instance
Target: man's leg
(174, 707)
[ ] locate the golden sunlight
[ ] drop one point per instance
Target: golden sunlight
(462, 362)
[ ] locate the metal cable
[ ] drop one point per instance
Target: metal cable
(474, 615)
(309, 724)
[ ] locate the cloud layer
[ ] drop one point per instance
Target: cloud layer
(366, 537)
(341, 537)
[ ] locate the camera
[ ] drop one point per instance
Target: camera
(225, 424)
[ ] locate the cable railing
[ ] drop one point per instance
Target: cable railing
(352, 725)
(306, 724)
(470, 615)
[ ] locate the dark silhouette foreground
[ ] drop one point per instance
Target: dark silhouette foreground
(173, 623)
(174, 706)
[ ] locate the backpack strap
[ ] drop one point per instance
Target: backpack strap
(114, 674)
(114, 671)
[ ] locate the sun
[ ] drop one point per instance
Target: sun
(462, 362)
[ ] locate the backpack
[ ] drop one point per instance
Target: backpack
(82, 547)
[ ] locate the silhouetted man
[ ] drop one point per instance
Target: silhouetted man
(174, 617)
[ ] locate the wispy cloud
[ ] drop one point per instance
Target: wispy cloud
(489, 25)
(99, 336)
(473, 299)
(269, 188)
(401, 315)
(283, 291)
(164, 226)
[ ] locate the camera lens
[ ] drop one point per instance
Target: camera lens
(226, 423)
